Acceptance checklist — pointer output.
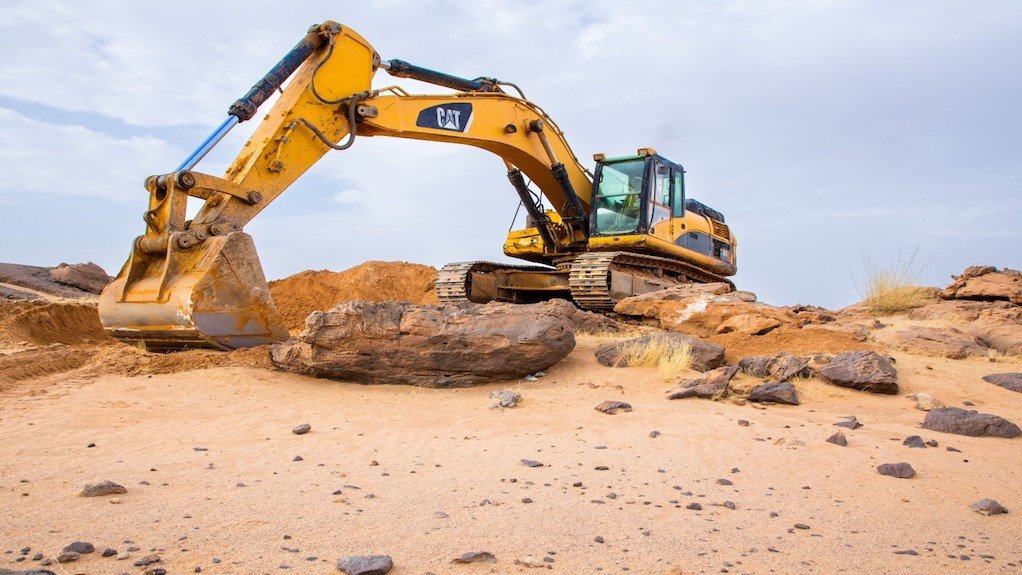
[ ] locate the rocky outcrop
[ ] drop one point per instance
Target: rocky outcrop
(35, 282)
(775, 392)
(452, 345)
(986, 283)
(705, 355)
(972, 423)
(1009, 381)
(782, 367)
(714, 385)
(1003, 337)
(946, 342)
(704, 310)
(862, 370)
(88, 276)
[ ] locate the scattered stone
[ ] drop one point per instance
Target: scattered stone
(366, 564)
(744, 422)
(654, 434)
(475, 557)
(102, 488)
(900, 470)
(1010, 381)
(907, 552)
(925, 401)
(598, 539)
(531, 463)
(801, 526)
(298, 458)
(932, 443)
(301, 429)
(80, 547)
(108, 552)
(147, 560)
(850, 422)
(504, 399)
(972, 423)
(68, 557)
(694, 506)
(713, 385)
(612, 407)
(705, 355)
(988, 507)
(730, 505)
(724, 482)
(914, 441)
(526, 500)
(783, 366)
(441, 346)
(775, 392)
(838, 439)
(862, 370)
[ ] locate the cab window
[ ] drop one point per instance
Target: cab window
(619, 196)
(660, 200)
(678, 192)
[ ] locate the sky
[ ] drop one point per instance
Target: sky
(830, 133)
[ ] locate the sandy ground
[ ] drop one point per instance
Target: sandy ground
(207, 457)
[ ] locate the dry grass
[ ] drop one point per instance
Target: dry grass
(670, 360)
(888, 289)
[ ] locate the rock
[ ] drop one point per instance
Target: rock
(301, 429)
(592, 322)
(862, 370)
(749, 323)
(1010, 381)
(366, 564)
(530, 561)
(776, 392)
(946, 342)
(650, 304)
(925, 401)
(450, 345)
(598, 539)
(850, 422)
(68, 557)
(694, 506)
(147, 560)
(914, 441)
(475, 557)
(1003, 337)
(4, 571)
(531, 463)
(108, 552)
(504, 399)
(972, 423)
(713, 385)
(801, 526)
(102, 488)
(986, 283)
(612, 407)
(838, 439)
(988, 507)
(705, 355)
(80, 547)
(88, 276)
(783, 367)
(966, 311)
(900, 470)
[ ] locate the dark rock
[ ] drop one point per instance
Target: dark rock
(862, 370)
(102, 488)
(932, 443)
(108, 552)
(801, 526)
(694, 506)
(744, 422)
(475, 557)
(80, 547)
(147, 560)
(711, 386)
(776, 392)
(900, 470)
(838, 439)
(724, 482)
(988, 507)
(68, 557)
(612, 407)
(705, 355)
(914, 441)
(301, 429)
(366, 565)
(850, 422)
(4, 571)
(598, 539)
(654, 434)
(907, 552)
(298, 458)
(974, 424)
(730, 505)
(450, 345)
(1010, 381)
(782, 367)
(88, 276)
(531, 463)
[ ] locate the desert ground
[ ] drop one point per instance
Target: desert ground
(217, 481)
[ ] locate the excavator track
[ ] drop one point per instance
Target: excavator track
(454, 281)
(590, 276)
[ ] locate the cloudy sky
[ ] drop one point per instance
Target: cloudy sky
(829, 132)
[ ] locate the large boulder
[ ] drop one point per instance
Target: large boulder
(775, 392)
(946, 342)
(1009, 381)
(972, 423)
(967, 310)
(705, 355)
(782, 367)
(986, 283)
(1003, 337)
(713, 385)
(650, 304)
(862, 370)
(88, 276)
(452, 345)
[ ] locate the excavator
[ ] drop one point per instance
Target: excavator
(592, 237)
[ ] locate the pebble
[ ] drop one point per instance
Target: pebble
(68, 556)
(526, 500)
(601, 468)
(531, 463)
(907, 552)
(724, 482)
(80, 547)
(744, 422)
(988, 507)
(611, 407)
(730, 505)
(475, 557)
(301, 429)
(838, 439)
(147, 560)
(914, 441)
(108, 552)
(694, 506)
(102, 488)
(801, 526)
(900, 470)
(850, 422)
(654, 434)
(298, 458)
(598, 539)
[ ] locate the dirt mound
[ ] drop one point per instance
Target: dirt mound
(798, 341)
(301, 294)
(43, 323)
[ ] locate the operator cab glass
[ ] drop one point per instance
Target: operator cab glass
(618, 197)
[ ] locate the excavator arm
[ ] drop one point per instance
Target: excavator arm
(198, 282)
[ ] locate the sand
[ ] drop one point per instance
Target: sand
(299, 295)
(425, 475)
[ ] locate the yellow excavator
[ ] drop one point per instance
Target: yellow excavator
(625, 228)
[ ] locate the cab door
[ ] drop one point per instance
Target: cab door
(659, 204)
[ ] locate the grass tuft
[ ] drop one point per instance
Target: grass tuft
(888, 289)
(669, 359)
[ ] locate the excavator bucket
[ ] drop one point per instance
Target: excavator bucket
(213, 296)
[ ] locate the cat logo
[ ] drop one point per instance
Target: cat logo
(454, 117)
